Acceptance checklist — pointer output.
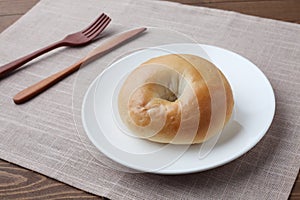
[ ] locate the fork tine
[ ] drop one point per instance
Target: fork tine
(100, 18)
(99, 29)
(97, 25)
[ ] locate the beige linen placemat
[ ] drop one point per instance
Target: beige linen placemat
(41, 135)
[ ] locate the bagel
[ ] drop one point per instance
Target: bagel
(175, 98)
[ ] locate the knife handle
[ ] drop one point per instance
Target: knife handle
(46, 83)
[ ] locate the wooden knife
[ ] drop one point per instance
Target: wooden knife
(46, 83)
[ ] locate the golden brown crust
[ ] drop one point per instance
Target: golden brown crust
(176, 98)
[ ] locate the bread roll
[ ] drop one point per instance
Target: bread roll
(176, 98)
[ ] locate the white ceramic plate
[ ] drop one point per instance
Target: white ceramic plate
(253, 114)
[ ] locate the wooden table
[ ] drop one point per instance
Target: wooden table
(17, 182)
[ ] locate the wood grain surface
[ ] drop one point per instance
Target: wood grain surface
(19, 183)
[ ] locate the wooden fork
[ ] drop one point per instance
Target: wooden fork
(76, 39)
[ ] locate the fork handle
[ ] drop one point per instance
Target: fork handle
(5, 69)
(43, 85)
